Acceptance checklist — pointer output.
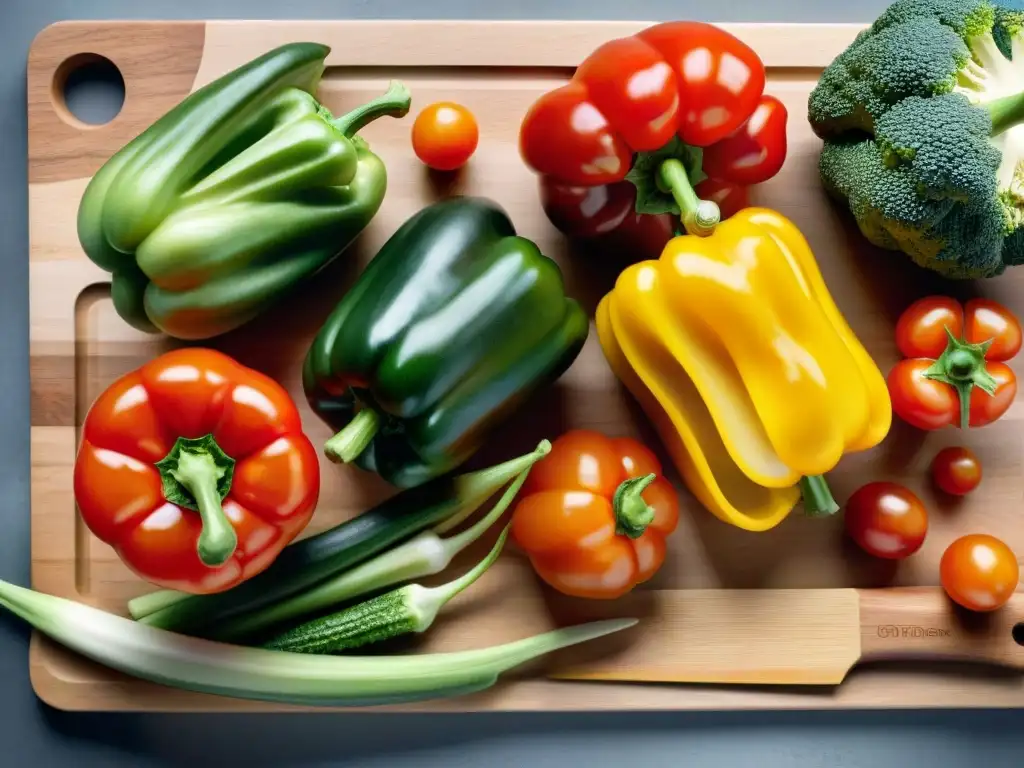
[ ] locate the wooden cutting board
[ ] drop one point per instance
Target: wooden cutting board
(78, 346)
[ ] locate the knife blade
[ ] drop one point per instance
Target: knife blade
(787, 636)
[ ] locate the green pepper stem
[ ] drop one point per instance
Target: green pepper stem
(632, 513)
(700, 217)
(818, 500)
(196, 474)
(346, 446)
(394, 102)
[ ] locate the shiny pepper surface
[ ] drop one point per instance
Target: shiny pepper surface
(235, 197)
(734, 347)
(195, 470)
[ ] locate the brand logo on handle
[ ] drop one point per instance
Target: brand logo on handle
(911, 631)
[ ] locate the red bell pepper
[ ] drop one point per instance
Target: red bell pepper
(195, 470)
(681, 95)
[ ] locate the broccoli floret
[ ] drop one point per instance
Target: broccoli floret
(916, 59)
(919, 118)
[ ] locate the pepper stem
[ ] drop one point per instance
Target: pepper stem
(700, 217)
(962, 366)
(394, 102)
(197, 475)
(818, 501)
(346, 446)
(632, 513)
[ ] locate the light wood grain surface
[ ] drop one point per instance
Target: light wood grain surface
(78, 345)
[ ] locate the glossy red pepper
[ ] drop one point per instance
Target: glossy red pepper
(685, 91)
(195, 470)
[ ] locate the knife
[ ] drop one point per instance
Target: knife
(786, 636)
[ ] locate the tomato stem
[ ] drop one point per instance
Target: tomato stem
(351, 441)
(632, 513)
(197, 474)
(700, 217)
(818, 500)
(962, 366)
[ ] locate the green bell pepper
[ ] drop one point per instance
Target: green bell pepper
(453, 324)
(234, 197)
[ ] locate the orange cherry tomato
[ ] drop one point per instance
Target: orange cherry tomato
(445, 135)
(594, 514)
(979, 572)
(886, 520)
(956, 470)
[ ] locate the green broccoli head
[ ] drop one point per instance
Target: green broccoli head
(919, 118)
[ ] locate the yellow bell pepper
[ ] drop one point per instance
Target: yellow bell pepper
(735, 350)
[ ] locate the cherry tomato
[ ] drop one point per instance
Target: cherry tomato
(886, 520)
(445, 135)
(986, 408)
(919, 401)
(921, 329)
(979, 572)
(928, 404)
(956, 470)
(988, 320)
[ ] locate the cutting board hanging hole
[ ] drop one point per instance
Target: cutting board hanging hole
(1018, 633)
(88, 90)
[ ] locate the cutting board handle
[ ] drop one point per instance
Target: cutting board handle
(924, 623)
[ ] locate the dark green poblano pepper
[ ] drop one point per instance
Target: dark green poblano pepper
(454, 323)
(234, 197)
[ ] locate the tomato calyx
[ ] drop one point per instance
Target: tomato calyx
(632, 513)
(196, 474)
(962, 366)
(817, 497)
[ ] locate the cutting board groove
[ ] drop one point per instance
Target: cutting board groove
(78, 346)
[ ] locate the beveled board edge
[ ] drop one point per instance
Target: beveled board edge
(162, 62)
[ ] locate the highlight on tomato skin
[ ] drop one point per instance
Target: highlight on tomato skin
(886, 520)
(979, 572)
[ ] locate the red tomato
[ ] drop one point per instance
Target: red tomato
(445, 135)
(922, 336)
(956, 470)
(921, 329)
(979, 572)
(886, 520)
(985, 320)
(986, 408)
(922, 402)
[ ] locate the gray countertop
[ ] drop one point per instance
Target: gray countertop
(35, 735)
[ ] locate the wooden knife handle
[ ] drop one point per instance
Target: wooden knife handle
(900, 623)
